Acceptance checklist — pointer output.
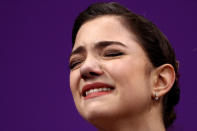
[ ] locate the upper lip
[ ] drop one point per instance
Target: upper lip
(94, 86)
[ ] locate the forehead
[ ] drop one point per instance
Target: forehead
(104, 28)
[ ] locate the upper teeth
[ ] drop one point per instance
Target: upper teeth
(97, 90)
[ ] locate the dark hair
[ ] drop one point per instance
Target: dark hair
(151, 39)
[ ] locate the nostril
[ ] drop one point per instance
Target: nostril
(89, 75)
(84, 76)
(90, 70)
(93, 74)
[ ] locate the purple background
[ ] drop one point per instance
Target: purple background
(35, 41)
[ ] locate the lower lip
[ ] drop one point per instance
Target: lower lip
(96, 94)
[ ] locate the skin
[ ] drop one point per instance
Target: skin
(123, 65)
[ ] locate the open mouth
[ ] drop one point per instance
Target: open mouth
(96, 89)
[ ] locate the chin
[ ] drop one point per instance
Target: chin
(96, 112)
(98, 117)
(100, 114)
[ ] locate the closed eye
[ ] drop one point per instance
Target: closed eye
(73, 64)
(112, 53)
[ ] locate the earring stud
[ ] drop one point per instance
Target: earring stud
(156, 97)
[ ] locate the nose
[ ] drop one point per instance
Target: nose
(90, 69)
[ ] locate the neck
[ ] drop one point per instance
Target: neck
(148, 121)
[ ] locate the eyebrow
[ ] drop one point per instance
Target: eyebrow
(103, 44)
(79, 50)
(99, 45)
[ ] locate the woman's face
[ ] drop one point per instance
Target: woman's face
(110, 73)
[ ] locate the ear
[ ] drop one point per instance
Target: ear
(163, 80)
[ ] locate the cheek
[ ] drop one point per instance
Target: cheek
(125, 70)
(74, 86)
(131, 79)
(74, 76)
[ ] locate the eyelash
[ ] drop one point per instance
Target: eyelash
(73, 64)
(113, 53)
